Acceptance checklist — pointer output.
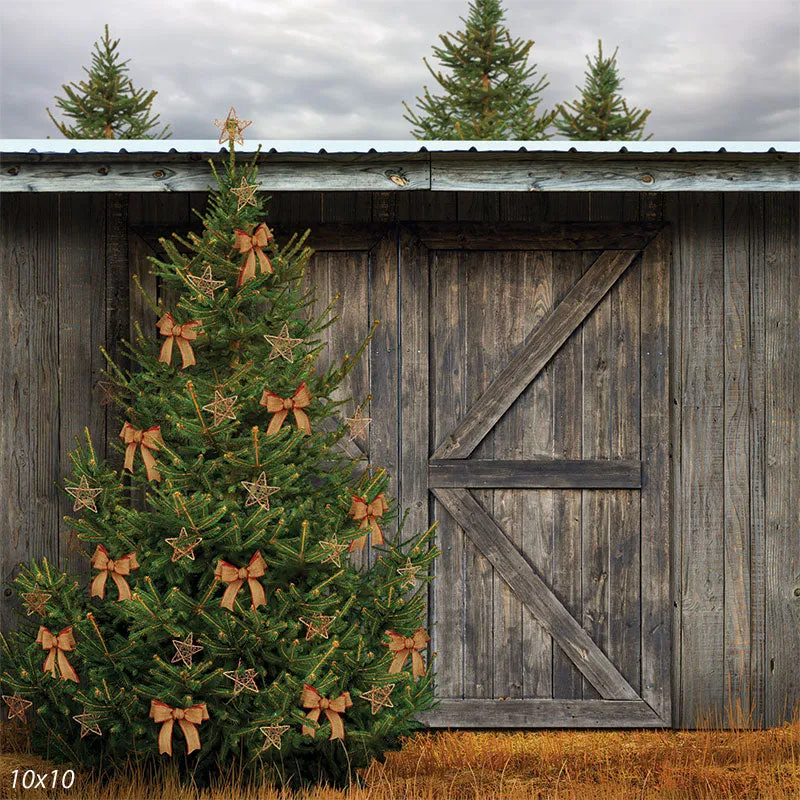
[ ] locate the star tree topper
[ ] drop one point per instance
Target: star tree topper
(84, 495)
(259, 491)
(282, 345)
(232, 127)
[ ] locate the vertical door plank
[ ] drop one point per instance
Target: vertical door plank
(655, 495)
(757, 406)
(448, 321)
(567, 425)
(481, 335)
(509, 311)
(384, 370)
(737, 456)
(782, 455)
(28, 377)
(702, 450)
(81, 333)
(414, 299)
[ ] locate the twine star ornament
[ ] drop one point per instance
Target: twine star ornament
(259, 491)
(358, 425)
(242, 679)
(88, 723)
(205, 283)
(222, 407)
(36, 601)
(109, 391)
(318, 626)
(16, 706)
(84, 495)
(282, 345)
(185, 650)
(411, 571)
(183, 545)
(378, 696)
(232, 127)
(334, 549)
(272, 735)
(246, 193)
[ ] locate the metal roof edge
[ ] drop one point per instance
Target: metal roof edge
(313, 146)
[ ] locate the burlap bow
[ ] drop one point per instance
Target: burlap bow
(368, 513)
(116, 569)
(402, 646)
(58, 646)
(182, 334)
(332, 708)
(187, 718)
(245, 243)
(236, 576)
(149, 440)
(280, 407)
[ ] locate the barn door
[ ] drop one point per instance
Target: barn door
(549, 430)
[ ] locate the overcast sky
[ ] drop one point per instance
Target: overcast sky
(339, 69)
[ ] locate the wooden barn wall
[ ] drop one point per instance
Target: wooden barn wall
(735, 373)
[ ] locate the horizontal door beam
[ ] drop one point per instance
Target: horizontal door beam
(541, 713)
(541, 474)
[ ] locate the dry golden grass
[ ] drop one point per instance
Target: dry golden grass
(559, 765)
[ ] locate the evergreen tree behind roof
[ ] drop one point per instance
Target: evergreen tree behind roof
(488, 95)
(601, 114)
(107, 107)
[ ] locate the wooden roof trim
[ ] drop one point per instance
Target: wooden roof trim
(436, 171)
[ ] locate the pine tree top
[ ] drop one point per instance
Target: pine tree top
(107, 106)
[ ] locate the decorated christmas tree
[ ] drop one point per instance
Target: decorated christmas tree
(488, 94)
(107, 107)
(601, 113)
(223, 622)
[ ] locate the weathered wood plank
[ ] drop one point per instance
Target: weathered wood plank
(81, 333)
(508, 320)
(541, 713)
(737, 458)
(655, 548)
(537, 507)
(479, 363)
(366, 172)
(536, 474)
(384, 363)
(28, 377)
(534, 236)
(702, 449)
(448, 309)
(414, 206)
(414, 290)
(539, 349)
(757, 412)
(782, 451)
(610, 172)
(532, 591)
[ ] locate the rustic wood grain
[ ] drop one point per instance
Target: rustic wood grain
(81, 333)
(534, 236)
(448, 309)
(29, 375)
(702, 453)
(532, 591)
(535, 474)
(737, 456)
(540, 713)
(782, 454)
(655, 495)
(538, 350)
(757, 408)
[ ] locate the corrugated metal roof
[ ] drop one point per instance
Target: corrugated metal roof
(288, 146)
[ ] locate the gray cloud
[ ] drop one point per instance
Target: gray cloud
(714, 70)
